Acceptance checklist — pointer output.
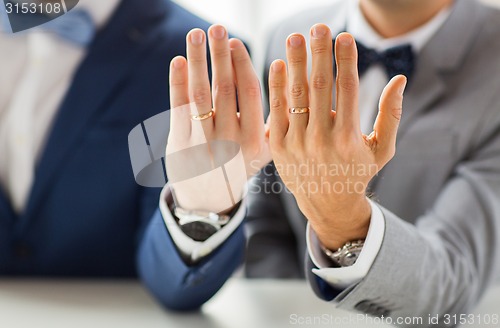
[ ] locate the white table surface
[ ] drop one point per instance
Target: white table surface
(122, 304)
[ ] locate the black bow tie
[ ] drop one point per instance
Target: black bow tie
(397, 60)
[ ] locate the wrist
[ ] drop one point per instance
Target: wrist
(214, 202)
(351, 222)
(207, 194)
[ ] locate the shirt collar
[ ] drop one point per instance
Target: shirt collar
(362, 31)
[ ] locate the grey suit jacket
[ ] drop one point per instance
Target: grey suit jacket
(440, 195)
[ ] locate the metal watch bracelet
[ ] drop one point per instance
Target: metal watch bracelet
(347, 255)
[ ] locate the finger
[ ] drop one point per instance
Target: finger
(199, 84)
(249, 93)
(298, 89)
(223, 88)
(321, 81)
(267, 126)
(180, 123)
(346, 56)
(278, 103)
(388, 118)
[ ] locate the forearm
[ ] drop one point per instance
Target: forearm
(439, 266)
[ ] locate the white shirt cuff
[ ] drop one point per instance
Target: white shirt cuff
(195, 250)
(345, 276)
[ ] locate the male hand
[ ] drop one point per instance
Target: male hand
(211, 155)
(322, 156)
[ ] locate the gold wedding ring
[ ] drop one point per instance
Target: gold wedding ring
(202, 117)
(299, 110)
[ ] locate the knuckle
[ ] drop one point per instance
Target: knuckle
(348, 82)
(201, 95)
(277, 145)
(297, 140)
(320, 81)
(320, 49)
(318, 135)
(197, 59)
(397, 113)
(347, 58)
(312, 153)
(253, 149)
(253, 89)
(224, 88)
(343, 142)
(226, 133)
(276, 84)
(320, 141)
(221, 52)
(239, 56)
(297, 91)
(276, 104)
(177, 82)
(295, 60)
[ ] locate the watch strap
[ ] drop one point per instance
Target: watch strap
(347, 255)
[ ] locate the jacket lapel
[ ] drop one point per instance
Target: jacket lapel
(114, 52)
(439, 58)
(442, 55)
(7, 214)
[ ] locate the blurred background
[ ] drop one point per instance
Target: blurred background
(251, 20)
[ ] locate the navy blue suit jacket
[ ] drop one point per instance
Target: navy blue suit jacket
(86, 216)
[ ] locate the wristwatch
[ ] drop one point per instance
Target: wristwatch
(199, 225)
(347, 255)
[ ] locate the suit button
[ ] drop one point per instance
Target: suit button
(22, 250)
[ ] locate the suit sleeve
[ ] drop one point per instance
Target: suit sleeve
(171, 280)
(443, 263)
(178, 282)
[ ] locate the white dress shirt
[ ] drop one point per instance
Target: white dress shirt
(36, 68)
(370, 89)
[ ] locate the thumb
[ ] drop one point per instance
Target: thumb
(388, 118)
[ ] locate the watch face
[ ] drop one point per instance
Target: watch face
(198, 231)
(349, 259)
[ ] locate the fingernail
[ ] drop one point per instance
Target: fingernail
(178, 63)
(295, 41)
(319, 31)
(277, 66)
(218, 32)
(345, 39)
(196, 37)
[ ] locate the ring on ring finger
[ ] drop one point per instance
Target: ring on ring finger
(202, 117)
(299, 110)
